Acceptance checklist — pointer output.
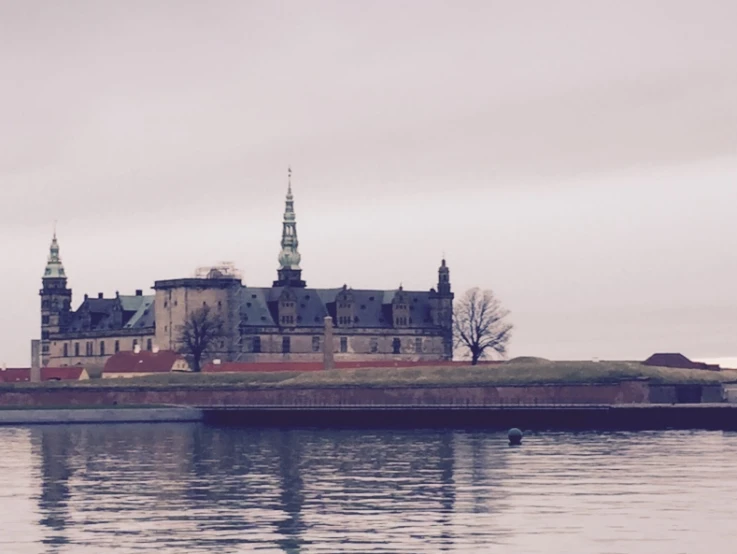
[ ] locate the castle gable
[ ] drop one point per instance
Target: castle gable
(372, 308)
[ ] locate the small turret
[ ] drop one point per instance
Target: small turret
(444, 279)
(441, 308)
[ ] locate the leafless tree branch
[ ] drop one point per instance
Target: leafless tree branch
(200, 336)
(480, 326)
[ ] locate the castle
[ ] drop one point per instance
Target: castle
(283, 322)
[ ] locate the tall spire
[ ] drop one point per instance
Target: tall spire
(54, 267)
(289, 257)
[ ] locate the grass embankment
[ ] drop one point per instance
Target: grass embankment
(522, 371)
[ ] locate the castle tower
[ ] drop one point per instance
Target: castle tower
(56, 300)
(289, 273)
(441, 307)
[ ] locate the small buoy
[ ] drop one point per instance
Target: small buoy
(515, 437)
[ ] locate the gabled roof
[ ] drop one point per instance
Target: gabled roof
(23, 374)
(130, 303)
(259, 307)
(144, 316)
(143, 362)
(108, 314)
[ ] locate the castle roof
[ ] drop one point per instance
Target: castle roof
(107, 314)
(259, 307)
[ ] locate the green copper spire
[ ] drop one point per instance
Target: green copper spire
(54, 267)
(289, 256)
(289, 273)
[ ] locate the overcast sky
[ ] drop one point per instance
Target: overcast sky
(579, 158)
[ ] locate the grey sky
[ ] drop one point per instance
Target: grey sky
(579, 158)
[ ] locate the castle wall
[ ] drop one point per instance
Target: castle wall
(95, 361)
(352, 344)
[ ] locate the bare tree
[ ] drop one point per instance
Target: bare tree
(200, 336)
(479, 324)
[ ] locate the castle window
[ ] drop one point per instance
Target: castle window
(286, 345)
(117, 346)
(397, 346)
(102, 348)
(66, 350)
(45, 320)
(374, 346)
(135, 343)
(149, 345)
(45, 349)
(76, 349)
(166, 304)
(315, 344)
(344, 344)
(418, 345)
(44, 335)
(256, 346)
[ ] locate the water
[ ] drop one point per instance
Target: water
(189, 488)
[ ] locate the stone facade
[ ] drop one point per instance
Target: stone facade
(283, 322)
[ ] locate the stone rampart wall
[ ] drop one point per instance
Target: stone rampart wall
(629, 392)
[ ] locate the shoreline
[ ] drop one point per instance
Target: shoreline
(629, 417)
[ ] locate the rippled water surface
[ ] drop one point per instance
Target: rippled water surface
(189, 488)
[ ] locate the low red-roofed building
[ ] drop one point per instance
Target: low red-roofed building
(136, 364)
(23, 374)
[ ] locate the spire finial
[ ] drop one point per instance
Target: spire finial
(289, 179)
(54, 267)
(55, 222)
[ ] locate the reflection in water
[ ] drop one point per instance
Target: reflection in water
(187, 487)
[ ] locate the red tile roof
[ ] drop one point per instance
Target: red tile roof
(23, 374)
(142, 362)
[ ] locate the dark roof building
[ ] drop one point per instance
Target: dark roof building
(677, 360)
(284, 322)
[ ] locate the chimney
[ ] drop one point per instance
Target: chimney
(100, 295)
(139, 292)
